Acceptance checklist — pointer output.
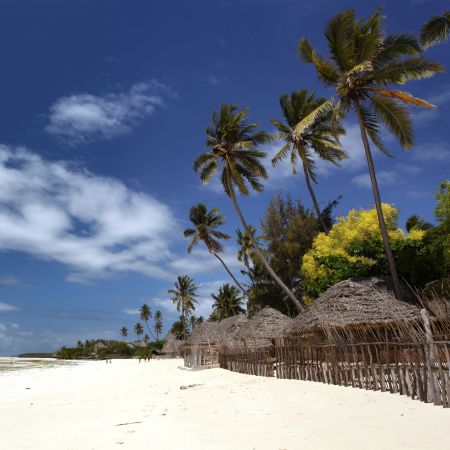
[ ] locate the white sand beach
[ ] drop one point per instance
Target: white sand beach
(128, 405)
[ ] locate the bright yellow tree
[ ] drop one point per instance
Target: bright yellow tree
(342, 253)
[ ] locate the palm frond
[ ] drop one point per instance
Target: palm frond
(413, 68)
(395, 46)
(395, 117)
(305, 51)
(435, 30)
(404, 97)
(307, 121)
(282, 153)
(373, 130)
(338, 33)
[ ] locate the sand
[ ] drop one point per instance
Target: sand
(128, 405)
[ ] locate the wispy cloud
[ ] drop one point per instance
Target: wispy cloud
(84, 117)
(131, 311)
(6, 307)
(384, 177)
(8, 280)
(433, 152)
(95, 225)
(209, 78)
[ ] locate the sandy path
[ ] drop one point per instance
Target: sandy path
(140, 406)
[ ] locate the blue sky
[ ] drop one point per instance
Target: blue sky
(104, 106)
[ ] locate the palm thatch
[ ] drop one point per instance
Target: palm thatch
(209, 333)
(258, 331)
(172, 345)
(351, 307)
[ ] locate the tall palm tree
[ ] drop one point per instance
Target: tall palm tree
(184, 295)
(124, 332)
(227, 302)
(319, 139)
(435, 30)
(138, 330)
(206, 224)
(158, 323)
(363, 64)
(145, 314)
(233, 142)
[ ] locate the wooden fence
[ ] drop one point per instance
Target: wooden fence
(419, 370)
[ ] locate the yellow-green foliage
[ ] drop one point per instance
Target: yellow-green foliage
(359, 226)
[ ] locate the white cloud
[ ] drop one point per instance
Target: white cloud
(6, 307)
(200, 261)
(131, 312)
(95, 225)
(9, 280)
(384, 177)
(433, 152)
(209, 78)
(15, 325)
(84, 117)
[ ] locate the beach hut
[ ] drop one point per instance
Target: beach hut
(203, 345)
(172, 346)
(258, 331)
(359, 310)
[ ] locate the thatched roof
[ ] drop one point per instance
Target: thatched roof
(208, 333)
(267, 324)
(260, 330)
(172, 345)
(355, 302)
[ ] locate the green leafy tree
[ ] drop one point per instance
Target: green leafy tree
(178, 329)
(145, 314)
(319, 139)
(206, 230)
(233, 145)
(435, 30)
(363, 64)
(354, 248)
(227, 302)
(138, 330)
(124, 332)
(417, 222)
(442, 211)
(184, 296)
(288, 230)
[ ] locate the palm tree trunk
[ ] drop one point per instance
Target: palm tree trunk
(236, 282)
(262, 257)
(148, 328)
(314, 200)
(376, 194)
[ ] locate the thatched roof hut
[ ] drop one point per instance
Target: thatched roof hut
(209, 333)
(260, 330)
(357, 309)
(172, 345)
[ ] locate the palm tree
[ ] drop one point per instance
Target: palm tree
(206, 224)
(138, 330)
(233, 142)
(124, 332)
(146, 338)
(435, 30)
(158, 323)
(320, 139)
(245, 250)
(184, 296)
(227, 302)
(363, 64)
(145, 314)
